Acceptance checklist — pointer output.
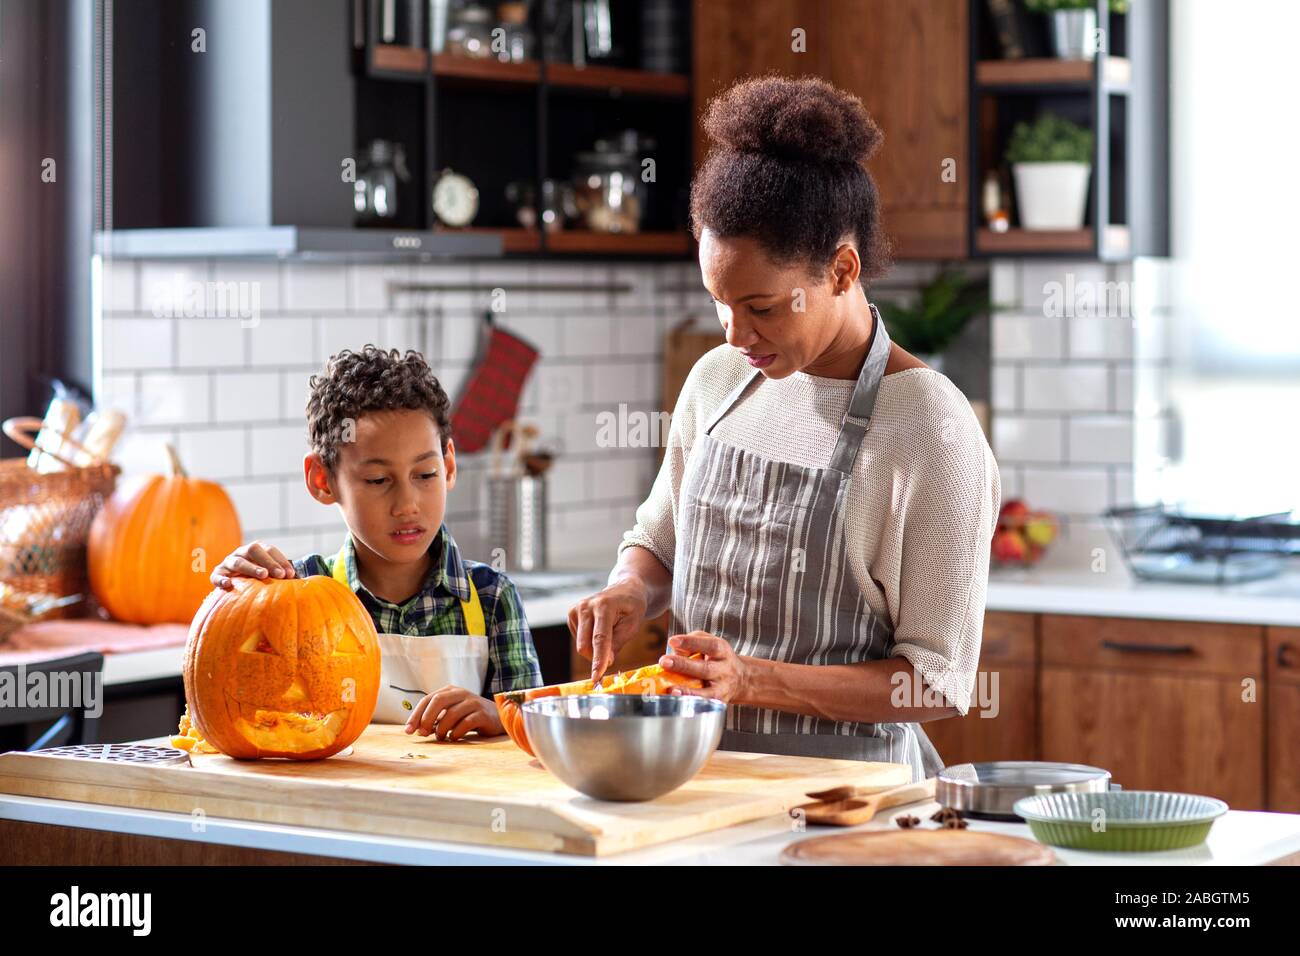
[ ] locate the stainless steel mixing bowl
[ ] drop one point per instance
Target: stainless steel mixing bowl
(624, 747)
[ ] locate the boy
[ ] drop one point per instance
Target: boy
(381, 449)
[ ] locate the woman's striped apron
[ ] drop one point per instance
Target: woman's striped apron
(761, 561)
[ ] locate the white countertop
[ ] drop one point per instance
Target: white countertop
(1239, 838)
(552, 609)
(132, 666)
(1066, 582)
(1275, 601)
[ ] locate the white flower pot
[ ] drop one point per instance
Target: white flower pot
(1074, 34)
(1052, 195)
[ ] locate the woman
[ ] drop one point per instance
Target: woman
(820, 525)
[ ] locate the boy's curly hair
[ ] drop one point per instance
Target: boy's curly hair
(371, 380)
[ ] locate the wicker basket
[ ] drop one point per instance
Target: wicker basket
(45, 520)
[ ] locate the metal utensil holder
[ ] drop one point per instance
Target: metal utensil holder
(516, 517)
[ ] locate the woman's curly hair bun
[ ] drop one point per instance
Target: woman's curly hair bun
(788, 169)
(805, 119)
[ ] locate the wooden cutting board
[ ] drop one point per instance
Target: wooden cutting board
(475, 791)
(918, 848)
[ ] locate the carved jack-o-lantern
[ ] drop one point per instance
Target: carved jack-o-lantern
(282, 668)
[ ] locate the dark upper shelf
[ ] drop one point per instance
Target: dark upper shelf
(412, 62)
(613, 78)
(582, 241)
(490, 72)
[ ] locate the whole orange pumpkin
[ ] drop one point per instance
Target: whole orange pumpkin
(282, 668)
(154, 544)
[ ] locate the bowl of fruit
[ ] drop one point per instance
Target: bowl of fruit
(1022, 535)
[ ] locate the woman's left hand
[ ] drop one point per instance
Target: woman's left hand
(722, 669)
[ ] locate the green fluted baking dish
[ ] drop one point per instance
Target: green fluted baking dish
(1133, 821)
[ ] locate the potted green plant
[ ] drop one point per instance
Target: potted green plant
(940, 311)
(1074, 25)
(1051, 160)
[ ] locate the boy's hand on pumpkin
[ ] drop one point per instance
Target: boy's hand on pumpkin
(452, 712)
(252, 560)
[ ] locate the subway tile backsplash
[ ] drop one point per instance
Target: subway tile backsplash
(1078, 394)
(1025, 438)
(1021, 336)
(230, 392)
(1065, 387)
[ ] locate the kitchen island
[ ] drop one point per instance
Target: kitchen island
(61, 831)
(402, 799)
(1036, 601)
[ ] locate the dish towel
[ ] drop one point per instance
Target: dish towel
(491, 394)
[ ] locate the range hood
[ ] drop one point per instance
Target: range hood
(242, 150)
(294, 242)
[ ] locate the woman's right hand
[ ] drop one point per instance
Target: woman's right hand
(604, 622)
(252, 560)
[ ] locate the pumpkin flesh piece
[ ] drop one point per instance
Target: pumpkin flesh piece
(287, 733)
(651, 679)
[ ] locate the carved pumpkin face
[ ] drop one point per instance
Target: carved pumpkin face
(282, 668)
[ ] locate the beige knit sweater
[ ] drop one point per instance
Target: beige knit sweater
(922, 503)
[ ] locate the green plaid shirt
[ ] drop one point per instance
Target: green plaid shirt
(435, 609)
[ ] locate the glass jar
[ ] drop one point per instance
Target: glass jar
(374, 193)
(470, 33)
(607, 186)
(518, 37)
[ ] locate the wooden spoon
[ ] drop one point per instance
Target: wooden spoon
(855, 810)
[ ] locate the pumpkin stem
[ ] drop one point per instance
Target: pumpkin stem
(178, 471)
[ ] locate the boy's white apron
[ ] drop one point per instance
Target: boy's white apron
(411, 667)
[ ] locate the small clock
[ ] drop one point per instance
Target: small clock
(455, 199)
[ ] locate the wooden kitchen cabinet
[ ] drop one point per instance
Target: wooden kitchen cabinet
(1283, 699)
(739, 38)
(1009, 653)
(908, 61)
(1157, 703)
(909, 64)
